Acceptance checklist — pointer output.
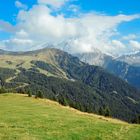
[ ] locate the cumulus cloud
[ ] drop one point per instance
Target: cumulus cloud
(135, 45)
(20, 5)
(118, 44)
(41, 25)
(7, 27)
(21, 34)
(84, 32)
(129, 37)
(19, 43)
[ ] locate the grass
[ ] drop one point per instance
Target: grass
(25, 62)
(24, 118)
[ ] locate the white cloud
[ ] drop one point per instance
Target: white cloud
(135, 45)
(118, 44)
(47, 27)
(7, 27)
(19, 43)
(54, 3)
(117, 48)
(84, 32)
(129, 37)
(22, 34)
(20, 5)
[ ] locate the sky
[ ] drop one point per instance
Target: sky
(77, 26)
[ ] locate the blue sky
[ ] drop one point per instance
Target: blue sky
(111, 7)
(9, 12)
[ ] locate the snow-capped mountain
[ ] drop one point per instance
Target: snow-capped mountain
(95, 58)
(132, 59)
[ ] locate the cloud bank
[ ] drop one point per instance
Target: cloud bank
(82, 33)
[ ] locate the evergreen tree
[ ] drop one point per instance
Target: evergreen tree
(39, 94)
(101, 112)
(29, 93)
(62, 100)
(2, 90)
(107, 112)
(137, 120)
(21, 90)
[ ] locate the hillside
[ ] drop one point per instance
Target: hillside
(25, 118)
(67, 80)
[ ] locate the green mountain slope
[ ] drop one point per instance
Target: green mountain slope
(63, 78)
(24, 118)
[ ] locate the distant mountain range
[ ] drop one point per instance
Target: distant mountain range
(131, 59)
(64, 78)
(126, 67)
(96, 58)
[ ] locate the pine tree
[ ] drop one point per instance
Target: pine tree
(107, 112)
(101, 112)
(39, 94)
(29, 93)
(137, 119)
(2, 90)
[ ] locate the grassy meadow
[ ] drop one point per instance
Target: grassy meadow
(24, 118)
